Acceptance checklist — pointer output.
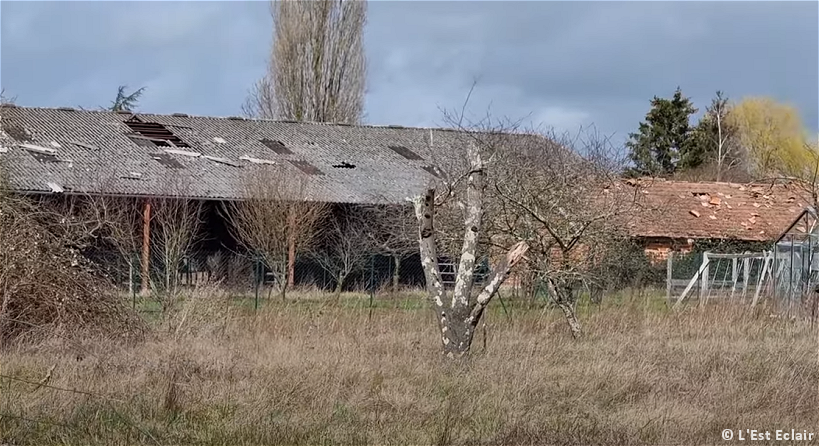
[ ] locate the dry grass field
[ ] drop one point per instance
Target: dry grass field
(219, 373)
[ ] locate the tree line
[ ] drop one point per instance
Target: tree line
(750, 139)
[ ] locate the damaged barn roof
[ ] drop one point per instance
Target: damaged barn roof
(711, 210)
(144, 154)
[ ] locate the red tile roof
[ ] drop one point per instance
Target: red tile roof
(710, 210)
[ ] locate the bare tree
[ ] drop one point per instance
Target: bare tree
(568, 204)
(176, 220)
(317, 67)
(5, 99)
(393, 232)
(345, 247)
(275, 220)
(123, 225)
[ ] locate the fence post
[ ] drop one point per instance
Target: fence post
(746, 272)
(669, 275)
(704, 279)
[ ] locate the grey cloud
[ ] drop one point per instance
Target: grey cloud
(563, 63)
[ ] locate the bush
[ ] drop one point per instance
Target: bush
(47, 287)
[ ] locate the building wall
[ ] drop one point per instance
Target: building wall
(658, 248)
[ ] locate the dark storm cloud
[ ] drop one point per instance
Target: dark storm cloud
(560, 64)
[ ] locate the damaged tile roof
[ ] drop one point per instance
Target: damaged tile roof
(711, 210)
(135, 154)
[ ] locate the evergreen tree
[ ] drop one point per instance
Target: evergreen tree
(125, 102)
(663, 142)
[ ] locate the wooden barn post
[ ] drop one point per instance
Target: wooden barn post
(146, 248)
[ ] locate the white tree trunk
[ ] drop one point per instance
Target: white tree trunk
(458, 317)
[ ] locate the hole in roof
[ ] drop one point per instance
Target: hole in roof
(344, 165)
(157, 133)
(45, 157)
(405, 152)
(15, 131)
(433, 170)
(306, 167)
(276, 146)
(166, 160)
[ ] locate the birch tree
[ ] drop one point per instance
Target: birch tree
(317, 67)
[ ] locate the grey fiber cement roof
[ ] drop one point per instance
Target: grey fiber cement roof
(105, 156)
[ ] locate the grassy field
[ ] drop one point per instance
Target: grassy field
(304, 372)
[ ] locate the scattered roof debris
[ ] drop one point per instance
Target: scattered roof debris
(156, 132)
(83, 145)
(38, 149)
(219, 140)
(4, 149)
(41, 154)
(55, 144)
(405, 152)
(167, 160)
(222, 161)
(306, 167)
(132, 176)
(344, 165)
(55, 188)
(694, 213)
(433, 170)
(256, 160)
(276, 146)
(183, 153)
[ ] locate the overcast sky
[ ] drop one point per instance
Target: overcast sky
(557, 64)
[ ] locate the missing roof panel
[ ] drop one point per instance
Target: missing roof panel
(405, 152)
(306, 167)
(161, 136)
(44, 157)
(276, 146)
(344, 165)
(166, 160)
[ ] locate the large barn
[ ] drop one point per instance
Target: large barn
(68, 152)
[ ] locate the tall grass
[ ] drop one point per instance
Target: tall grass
(306, 373)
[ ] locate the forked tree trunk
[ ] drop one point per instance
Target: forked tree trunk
(459, 315)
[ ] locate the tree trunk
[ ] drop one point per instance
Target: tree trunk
(291, 260)
(563, 297)
(458, 317)
(339, 287)
(396, 273)
(571, 319)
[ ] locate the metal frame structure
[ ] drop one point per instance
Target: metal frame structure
(796, 263)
